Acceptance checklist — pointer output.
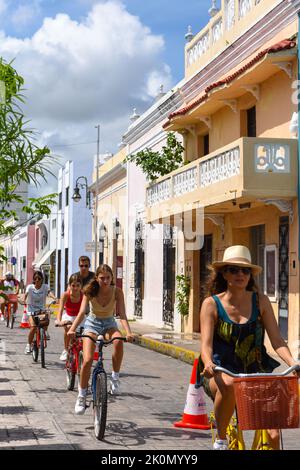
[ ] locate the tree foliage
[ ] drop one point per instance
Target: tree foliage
(21, 159)
(156, 164)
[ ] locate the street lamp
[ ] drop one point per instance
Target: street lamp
(77, 196)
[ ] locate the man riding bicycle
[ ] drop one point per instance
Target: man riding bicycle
(9, 287)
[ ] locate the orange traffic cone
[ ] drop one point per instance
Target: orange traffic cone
(24, 323)
(194, 415)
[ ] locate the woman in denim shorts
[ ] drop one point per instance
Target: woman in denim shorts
(103, 298)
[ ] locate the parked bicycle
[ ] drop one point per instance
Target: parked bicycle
(99, 387)
(263, 401)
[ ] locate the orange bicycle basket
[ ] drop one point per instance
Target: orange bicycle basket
(267, 402)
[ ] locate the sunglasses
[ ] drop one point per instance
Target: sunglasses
(237, 269)
(84, 266)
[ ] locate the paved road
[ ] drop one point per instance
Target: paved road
(37, 412)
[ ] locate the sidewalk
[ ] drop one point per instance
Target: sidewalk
(184, 347)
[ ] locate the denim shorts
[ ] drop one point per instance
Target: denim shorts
(99, 326)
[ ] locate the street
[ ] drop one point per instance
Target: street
(37, 412)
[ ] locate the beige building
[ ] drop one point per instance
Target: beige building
(111, 213)
(239, 182)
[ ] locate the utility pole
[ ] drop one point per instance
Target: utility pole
(96, 196)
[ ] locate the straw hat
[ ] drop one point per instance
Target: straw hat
(237, 255)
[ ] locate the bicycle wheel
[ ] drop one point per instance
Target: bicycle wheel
(80, 362)
(42, 346)
(100, 405)
(8, 313)
(11, 320)
(70, 370)
(35, 351)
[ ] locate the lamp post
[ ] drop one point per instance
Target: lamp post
(96, 195)
(77, 196)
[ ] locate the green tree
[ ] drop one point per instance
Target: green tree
(156, 164)
(21, 159)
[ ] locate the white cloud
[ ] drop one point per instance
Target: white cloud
(80, 73)
(25, 13)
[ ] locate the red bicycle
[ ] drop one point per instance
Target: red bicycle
(9, 315)
(41, 320)
(74, 358)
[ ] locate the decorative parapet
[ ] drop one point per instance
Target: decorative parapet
(223, 28)
(248, 164)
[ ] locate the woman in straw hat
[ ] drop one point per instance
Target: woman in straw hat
(233, 318)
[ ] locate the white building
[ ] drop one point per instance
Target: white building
(73, 222)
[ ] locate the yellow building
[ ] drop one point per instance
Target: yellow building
(111, 213)
(241, 161)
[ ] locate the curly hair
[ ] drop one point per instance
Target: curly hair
(215, 283)
(93, 288)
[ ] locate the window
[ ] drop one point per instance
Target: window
(67, 196)
(271, 272)
(59, 201)
(251, 122)
(206, 144)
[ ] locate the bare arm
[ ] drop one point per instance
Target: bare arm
(80, 316)
(272, 328)
(120, 305)
(208, 318)
(62, 302)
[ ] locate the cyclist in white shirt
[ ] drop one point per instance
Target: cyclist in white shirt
(35, 297)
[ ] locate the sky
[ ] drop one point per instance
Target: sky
(89, 62)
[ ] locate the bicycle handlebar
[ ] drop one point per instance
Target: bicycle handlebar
(103, 341)
(64, 324)
(295, 367)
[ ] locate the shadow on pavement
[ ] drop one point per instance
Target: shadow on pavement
(15, 410)
(7, 393)
(130, 434)
(25, 434)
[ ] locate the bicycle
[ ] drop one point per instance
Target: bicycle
(74, 359)
(9, 315)
(263, 401)
(41, 319)
(99, 387)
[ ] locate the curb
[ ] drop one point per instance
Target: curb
(184, 355)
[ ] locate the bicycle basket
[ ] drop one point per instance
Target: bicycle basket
(267, 402)
(42, 319)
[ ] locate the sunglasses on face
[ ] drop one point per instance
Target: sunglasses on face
(84, 266)
(237, 269)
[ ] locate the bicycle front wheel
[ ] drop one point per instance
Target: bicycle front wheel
(11, 320)
(71, 370)
(35, 351)
(42, 346)
(8, 314)
(100, 405)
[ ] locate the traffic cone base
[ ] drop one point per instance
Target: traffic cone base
(24, 323)
(194, 415)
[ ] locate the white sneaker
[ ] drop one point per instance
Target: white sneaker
(115, 386)
(64, 355)
(2, 318)
(220, 444)
(80, 405)
(28, 349)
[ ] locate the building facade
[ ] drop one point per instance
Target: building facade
(239, 184)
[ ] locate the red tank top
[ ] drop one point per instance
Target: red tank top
(72, 308)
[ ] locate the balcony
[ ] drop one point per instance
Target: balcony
(223, 29)
(247, 170)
